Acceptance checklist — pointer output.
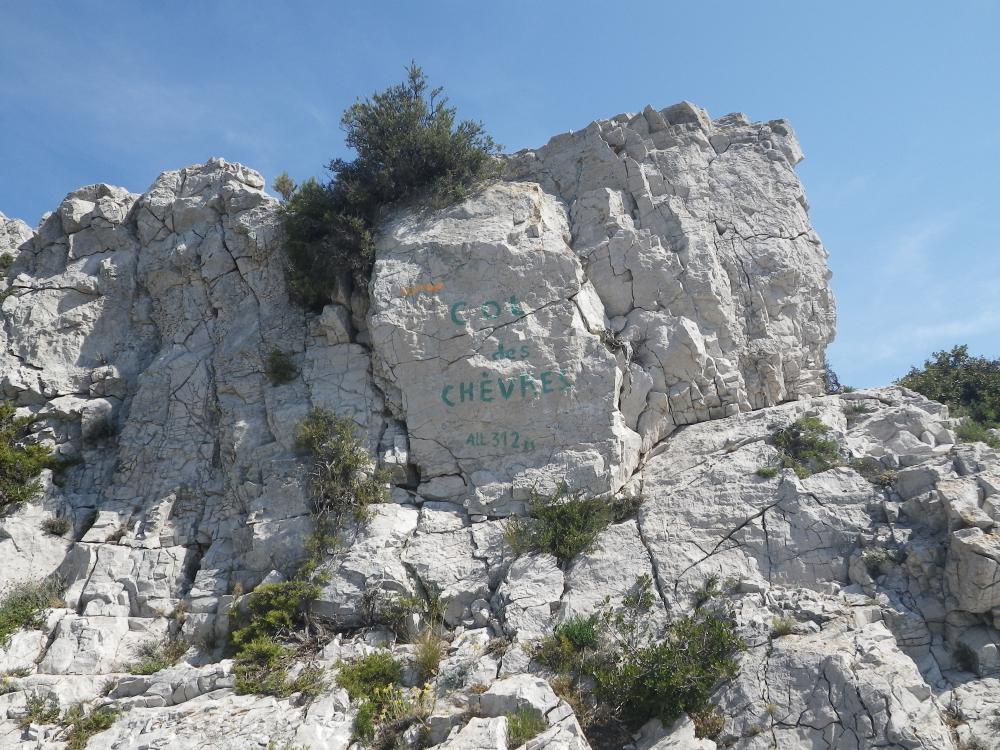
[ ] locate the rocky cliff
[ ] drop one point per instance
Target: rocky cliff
(636, 309)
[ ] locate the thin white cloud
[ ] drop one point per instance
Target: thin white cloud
(912, 251)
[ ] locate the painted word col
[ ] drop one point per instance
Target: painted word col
(460, 312)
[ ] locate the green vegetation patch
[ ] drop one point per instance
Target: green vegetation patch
(21, 463)
(344, 480)
(565, 523)
(261, 668)
(969, 386)
(23, 605)
(77, 723)
(157, 655)
(409, 148)
(385, 710)
(279, 368)
(633, 677)
(524, 724)
(804, 447)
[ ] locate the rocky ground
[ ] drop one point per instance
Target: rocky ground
(638, 309)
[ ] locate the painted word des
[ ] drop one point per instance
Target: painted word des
(514, 352)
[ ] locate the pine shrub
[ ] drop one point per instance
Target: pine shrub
(408, 147)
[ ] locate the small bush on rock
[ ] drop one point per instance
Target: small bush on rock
(284, 186)
(20, 463)
(82, 726)
(782, 626)
(344, 480)
(23, 604)
(804, 447)
(971, 431)
(56, 525)
(634, 677)
(674, 676)
(523, 725)
(157, 655)
(408, 147)
(376, 670)
(6, 261)
(767, 472)
(279, 367)
(385, 710)
(706, 591)
(274, 611)
(430, 651)
(570, 644)
(968, 385)
(873, 470)
(879, 558)
(40, 710)
(565, 523)
(261, 668)
(708, 723)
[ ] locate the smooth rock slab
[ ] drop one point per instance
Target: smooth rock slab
(477, 326)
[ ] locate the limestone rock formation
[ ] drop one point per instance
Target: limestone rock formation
(636, 309)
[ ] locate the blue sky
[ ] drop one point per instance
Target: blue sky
(897, 106)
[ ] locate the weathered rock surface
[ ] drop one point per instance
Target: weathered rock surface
(637, 309)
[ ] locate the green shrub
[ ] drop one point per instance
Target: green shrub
(706, 591)
(279, 368)
(82, 726)
(6, 261)
(877, 559)
(664, 680)
(40, 710)
(157, 655)
(767, 472)
(56, 525)
(273, 611)
(430, 651)
(344, 481)
(23, 605)
(570, 643)
(873, 470)
(375, 670)
(387, 712)
(261, 668)
(804, 447)
(408, 147)
(971, 431)
(20, 463)
(634, 677)
(395, 611)
(565, 523)
(782, 626)
(969, 385)
(524, 724)
(372, 681)
(284, 186)
(708, 723)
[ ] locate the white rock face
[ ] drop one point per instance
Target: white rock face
(484, 329)
(636, 310)
(525, 344)
(695, 236)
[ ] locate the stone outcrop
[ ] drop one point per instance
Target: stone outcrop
(636, 309)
